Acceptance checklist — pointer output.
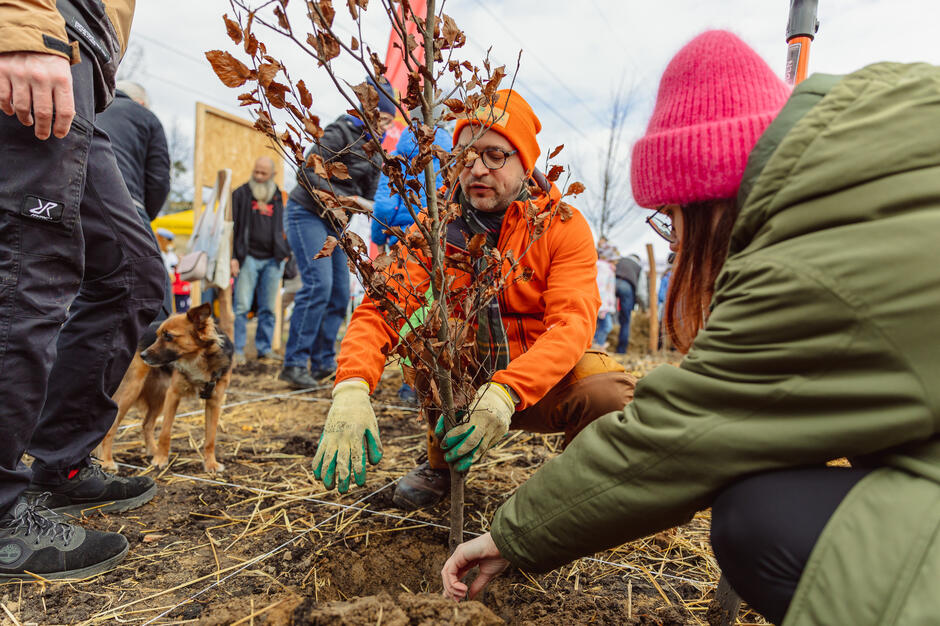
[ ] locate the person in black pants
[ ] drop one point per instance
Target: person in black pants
(81, 279)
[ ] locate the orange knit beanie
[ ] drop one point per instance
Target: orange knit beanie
(513, 118)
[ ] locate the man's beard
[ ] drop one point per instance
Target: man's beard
(494, 204)
(262, 192)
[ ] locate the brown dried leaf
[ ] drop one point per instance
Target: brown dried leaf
(306, 99)
(248, 98)
(233, 29)
(574, 189)
(327, 12)
(565, 211)
(312, 126)
(266, 73)
(327, 248)
(367, 95)
(382, 262)
(554, 173)
(327, 47)
(282, 18)
(455, 105)
(452, 34)
(251, 44)
(554, 153)
(275, 93)
(475, 247)
(315, 161)
(231, 71)
(354, 44)
(338, 170)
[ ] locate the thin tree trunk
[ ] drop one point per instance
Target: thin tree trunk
(437, 285)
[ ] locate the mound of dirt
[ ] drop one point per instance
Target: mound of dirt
(423, 609)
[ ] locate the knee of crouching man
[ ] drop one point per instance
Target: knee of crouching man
(149, 282)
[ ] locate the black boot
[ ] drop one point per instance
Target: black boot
(31, 543)
(297, 377)
(422, 487)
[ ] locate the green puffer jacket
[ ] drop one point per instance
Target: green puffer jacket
(823, 342)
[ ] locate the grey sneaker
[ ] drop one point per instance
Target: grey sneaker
(93, 489)
(239, 358)
(31, 544)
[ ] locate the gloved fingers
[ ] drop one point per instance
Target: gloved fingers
(324, 452)
(373, 446)
(458, 435)
(468, 442)
(359, 466)
(439, 428)
(456, 455)
(342, 469)
(463, 463)
(329, 477)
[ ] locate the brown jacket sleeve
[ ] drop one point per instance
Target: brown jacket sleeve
(36, 26)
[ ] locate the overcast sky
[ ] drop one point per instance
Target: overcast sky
(573, 56)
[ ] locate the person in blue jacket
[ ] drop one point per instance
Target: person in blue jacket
(390, 208)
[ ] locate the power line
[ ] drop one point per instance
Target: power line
(538, 60)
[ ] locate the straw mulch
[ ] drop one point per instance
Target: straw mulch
(264, 544)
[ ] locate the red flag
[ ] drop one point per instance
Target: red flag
(396, 71)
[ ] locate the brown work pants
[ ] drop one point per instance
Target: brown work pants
(596, 386)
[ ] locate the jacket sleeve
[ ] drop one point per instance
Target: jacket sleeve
(156, 171)
(240, 202)
(369, 336)
(332, 142)
(571, 304)
(787, 373)
(34, 26)
(382, 211)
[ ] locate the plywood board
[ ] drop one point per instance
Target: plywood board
(226, 141)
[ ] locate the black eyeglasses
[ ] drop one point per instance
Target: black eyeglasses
(493, 158)
(661, 223)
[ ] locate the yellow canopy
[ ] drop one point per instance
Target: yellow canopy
(177, 223)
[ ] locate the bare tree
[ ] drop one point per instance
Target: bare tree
(180, 147)
(610, 202)
(415, 285)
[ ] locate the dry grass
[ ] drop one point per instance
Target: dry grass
(248, 544)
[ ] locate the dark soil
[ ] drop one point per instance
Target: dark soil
(324, 565)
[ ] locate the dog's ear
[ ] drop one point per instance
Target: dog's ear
(199, 315)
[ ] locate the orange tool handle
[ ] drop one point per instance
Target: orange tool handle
(797, 59)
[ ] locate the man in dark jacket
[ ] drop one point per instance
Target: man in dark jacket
(628, 274)
(140, 148)
(259, 251)
(82, 279)
(320, 304)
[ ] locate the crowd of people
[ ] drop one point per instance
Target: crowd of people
(787, 212)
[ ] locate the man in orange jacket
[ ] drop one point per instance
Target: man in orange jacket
(543, 377)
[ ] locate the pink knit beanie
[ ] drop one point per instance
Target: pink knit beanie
(715, 99)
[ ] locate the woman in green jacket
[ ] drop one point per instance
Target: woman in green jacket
(806, 293)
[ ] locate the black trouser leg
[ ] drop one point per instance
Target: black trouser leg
(764, 528)
(41, 263)
(121, 293)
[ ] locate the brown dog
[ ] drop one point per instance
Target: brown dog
(185, 354)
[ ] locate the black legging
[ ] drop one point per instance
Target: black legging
(764, 528)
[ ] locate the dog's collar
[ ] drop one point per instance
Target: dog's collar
(207, 390)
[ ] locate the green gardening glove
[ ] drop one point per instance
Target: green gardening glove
(350, 436)
(488, 418)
